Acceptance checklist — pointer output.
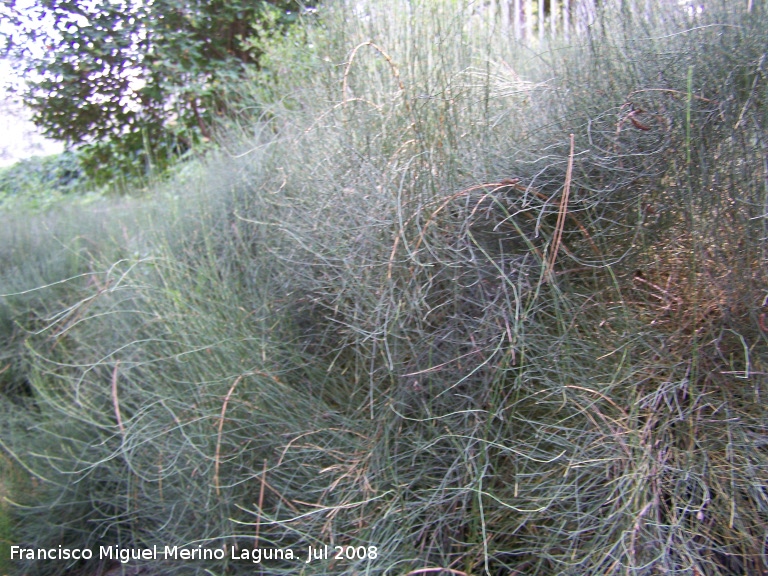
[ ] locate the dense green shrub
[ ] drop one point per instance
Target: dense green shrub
(38, 177)
(134, 84)
(488, 308)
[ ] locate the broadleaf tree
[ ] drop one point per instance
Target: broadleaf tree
(134, 82)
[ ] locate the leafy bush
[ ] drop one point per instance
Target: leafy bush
(485, 308)
(39, 177)
(135, 84)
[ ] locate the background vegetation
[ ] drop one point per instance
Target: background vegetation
(38, 181)
(491, 308)
(136, 84)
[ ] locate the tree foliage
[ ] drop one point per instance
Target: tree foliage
(136, 81)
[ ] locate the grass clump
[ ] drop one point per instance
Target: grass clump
(488, 308)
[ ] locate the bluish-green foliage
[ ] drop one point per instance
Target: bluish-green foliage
(487, 308)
